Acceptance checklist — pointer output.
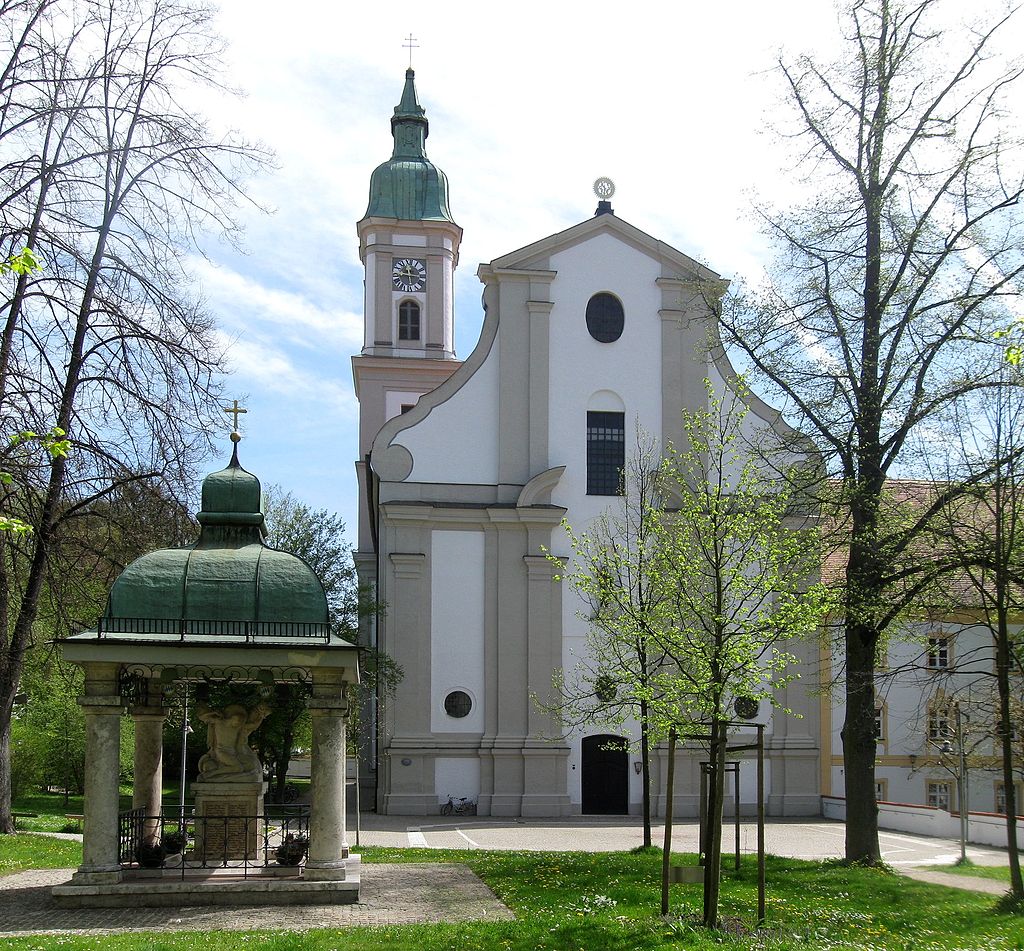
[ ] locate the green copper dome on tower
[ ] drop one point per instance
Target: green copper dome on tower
(408, 185)
(230, 574)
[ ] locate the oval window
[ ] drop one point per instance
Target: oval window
(458, 704)
(605, 317)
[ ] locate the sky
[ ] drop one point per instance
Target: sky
(528, 104)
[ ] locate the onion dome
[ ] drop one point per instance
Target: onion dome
(408, 185)
(229, 574)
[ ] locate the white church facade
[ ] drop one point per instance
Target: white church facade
(466, 470)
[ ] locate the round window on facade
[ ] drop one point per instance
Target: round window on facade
(458, 704)
(605, 317)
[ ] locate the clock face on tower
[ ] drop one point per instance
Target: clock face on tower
(408, 274)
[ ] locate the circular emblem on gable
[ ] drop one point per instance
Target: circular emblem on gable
(604, 188)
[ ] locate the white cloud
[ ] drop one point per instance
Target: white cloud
(527, 106)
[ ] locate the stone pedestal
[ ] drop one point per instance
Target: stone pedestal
(227, 827)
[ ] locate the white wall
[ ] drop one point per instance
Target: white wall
(458, 777)
(982, 828)
(585, 372)
(457, 628)
(458, 441)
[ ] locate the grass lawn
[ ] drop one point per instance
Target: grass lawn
(998, 873)
(594, 901)
(24, 851)
(52, 811)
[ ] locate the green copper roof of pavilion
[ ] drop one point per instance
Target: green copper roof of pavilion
(408, 185)
(229, 574)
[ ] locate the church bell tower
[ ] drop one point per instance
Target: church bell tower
(409, 246)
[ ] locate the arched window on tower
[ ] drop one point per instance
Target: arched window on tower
(408, 320)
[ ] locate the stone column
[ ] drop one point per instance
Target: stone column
(149, 755)
(328, 843)
(101, 705)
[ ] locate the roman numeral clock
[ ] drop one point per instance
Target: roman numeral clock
(409, 274)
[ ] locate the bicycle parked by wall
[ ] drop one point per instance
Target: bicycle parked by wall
(463, 806)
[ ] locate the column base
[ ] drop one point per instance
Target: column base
(346, 870)
(96, 876)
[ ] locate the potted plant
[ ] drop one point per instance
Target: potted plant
(175, 842)
(293, 850)
(151, 854)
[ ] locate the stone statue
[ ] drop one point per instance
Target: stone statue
(229, 758)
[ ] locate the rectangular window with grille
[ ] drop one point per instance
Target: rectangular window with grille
(938, 653)
(1001, 797)
(939, 795)
(606, 452)
(938, 726)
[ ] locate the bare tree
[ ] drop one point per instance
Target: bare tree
(109, 176)
(984, 545)
(889, 279)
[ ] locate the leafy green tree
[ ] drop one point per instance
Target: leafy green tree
(890, 276)
(610, 571)
(318, 538)
(720, 577)
(734, 576)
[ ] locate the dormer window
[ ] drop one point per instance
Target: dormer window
(409, 320)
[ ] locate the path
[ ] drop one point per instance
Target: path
(388, 895)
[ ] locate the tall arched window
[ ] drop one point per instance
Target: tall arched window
(606, 452)
(408, 320)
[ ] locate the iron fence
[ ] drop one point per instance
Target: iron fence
(244, 845)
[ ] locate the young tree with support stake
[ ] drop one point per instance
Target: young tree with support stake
(704, 575)
(736, 558)
(890, 276)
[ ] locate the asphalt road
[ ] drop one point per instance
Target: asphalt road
(803, 838)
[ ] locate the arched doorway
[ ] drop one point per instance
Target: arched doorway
(605, 775)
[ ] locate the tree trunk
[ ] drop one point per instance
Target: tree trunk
(716, 799)
(645, 772)
(859, 747)
(6, 808)
(1006, 751)
(666, 853)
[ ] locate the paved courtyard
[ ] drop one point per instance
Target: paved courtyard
(388, 895)
(405, 894)
(797, 838)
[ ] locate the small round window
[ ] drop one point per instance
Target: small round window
(458, 704)
(605, 317)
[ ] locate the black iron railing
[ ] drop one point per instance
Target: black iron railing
(242, 845)
(246, 631)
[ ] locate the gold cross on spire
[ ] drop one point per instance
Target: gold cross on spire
(236, 411)
(411, 44)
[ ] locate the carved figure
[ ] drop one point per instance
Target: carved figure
(229, 758)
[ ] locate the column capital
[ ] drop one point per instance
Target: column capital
(326, 705)
(101, 704)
